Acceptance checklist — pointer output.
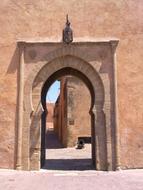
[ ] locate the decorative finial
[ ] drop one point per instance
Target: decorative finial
(67, 32)
(67, 20)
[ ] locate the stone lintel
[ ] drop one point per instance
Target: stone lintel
(83, 41)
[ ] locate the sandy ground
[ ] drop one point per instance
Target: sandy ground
(71, 180)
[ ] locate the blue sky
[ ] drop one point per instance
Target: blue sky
(53, 92)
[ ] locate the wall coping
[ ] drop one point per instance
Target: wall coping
(76, 41)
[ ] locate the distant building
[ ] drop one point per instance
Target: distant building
(72, 118)
(50, 115)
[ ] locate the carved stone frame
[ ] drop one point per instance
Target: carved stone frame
(30, 108)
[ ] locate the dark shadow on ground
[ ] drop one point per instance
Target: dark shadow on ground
(52, 141)
(68, 164)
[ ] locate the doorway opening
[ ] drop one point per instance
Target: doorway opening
(67, 123)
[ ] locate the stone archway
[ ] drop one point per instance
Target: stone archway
(30, 109)
(66, 71)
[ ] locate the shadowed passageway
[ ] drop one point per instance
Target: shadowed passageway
(60, 158)
(52, 141)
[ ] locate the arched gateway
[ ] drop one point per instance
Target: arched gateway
(40, 64)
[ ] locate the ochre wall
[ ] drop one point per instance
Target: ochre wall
(60, 113)
(90, 20)
(78, 107)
